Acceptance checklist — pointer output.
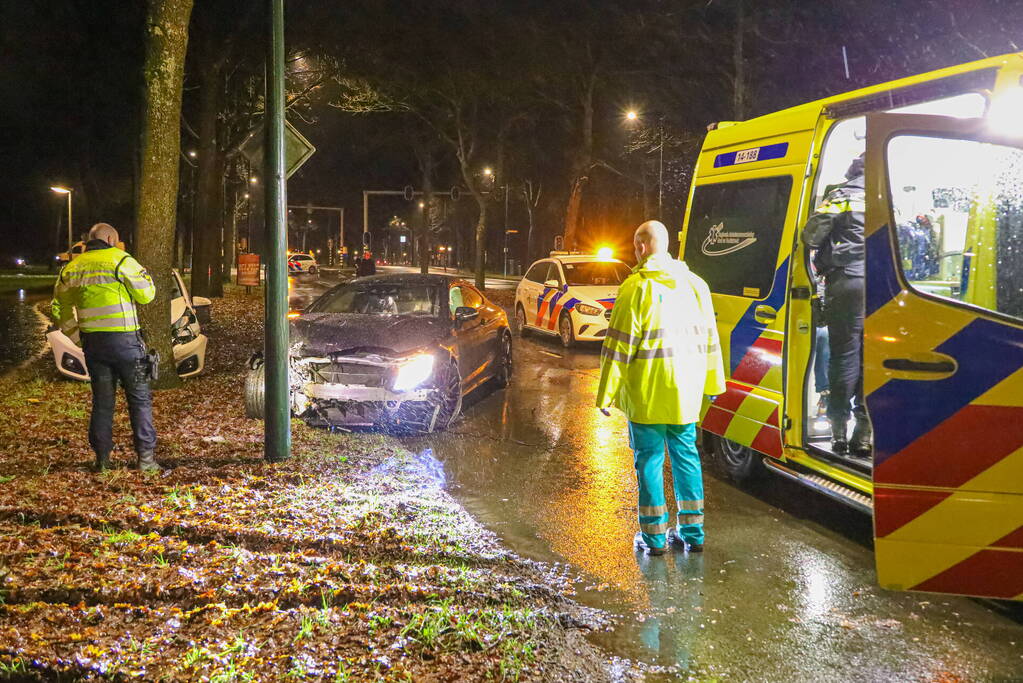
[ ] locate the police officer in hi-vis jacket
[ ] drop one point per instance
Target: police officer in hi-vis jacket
(103, 285)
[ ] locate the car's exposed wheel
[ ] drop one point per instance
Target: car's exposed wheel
(503, 372)
(739, 462)
(565, 331)
(450, 397)
(312, 270)
(255, 393)
(520, 320)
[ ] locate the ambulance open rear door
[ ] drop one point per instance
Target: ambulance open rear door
(943, 352)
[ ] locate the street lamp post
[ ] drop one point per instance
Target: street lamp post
(632, 116)
(67, 191)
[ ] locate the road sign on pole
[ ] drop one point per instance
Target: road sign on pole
(297, 149)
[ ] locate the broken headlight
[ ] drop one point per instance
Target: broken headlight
(412, 372)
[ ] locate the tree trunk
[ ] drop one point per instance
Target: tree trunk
(230, 235)
(580, 168)
(166, 44)
(527, 196)
(481, 241)
(427, 164)
(739, 62)
(207, 239)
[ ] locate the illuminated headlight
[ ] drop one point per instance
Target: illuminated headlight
(588, 310)
(413, 372)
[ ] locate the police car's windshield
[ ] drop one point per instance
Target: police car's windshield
(380, 299)
(595, 273)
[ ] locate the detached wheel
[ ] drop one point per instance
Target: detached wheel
(565, 331)
(740, 463)
(255, 393)
(503, 373)
(312, 270)
(520, 320)
(451, 397)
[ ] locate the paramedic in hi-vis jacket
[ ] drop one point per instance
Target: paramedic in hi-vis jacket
(835, 230)
(660, 357)
(103, 285)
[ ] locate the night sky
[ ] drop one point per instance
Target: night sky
(71, 84)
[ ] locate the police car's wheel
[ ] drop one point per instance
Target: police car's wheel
(565, 331)
(737, 461)
(520, 320)
(255, 392)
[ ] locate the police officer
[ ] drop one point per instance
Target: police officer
(103, 285)
(835, 230)
(660, 357)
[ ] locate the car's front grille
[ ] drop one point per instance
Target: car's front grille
(350, 373)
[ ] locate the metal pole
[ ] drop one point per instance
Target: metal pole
(365, 215)
(506, 228)
(70, 243)
(277, 421)
(341, 238)
(660, 176)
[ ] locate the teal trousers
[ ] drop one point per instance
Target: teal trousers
(648, 443)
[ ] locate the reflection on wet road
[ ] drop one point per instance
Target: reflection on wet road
(785, 591)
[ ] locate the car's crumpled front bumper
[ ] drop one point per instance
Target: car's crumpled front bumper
(189, 358)
(362, 394)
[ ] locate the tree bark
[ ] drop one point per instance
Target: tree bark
(581, 167)
(230, 235)
(206, 280)
(481, 241)
(166, 44)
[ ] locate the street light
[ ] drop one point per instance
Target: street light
(488, 171)
(67, 191)
(192, 153)
(631, 115)
(254, 180)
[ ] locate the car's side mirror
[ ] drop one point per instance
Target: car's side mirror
(200, 301)
(464, 313)
(553, 284)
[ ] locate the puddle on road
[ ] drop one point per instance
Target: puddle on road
(785, 591)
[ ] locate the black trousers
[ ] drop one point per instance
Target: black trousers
(844, 304)
(112, 358)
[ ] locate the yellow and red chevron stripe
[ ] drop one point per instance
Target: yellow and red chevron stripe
(948, 477)
(746, 415)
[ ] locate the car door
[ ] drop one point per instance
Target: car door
(468, 334)
(532, 286)
(943, 352)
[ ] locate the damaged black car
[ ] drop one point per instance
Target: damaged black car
(392, 351)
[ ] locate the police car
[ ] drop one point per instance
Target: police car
(302, 263)
(569, 295)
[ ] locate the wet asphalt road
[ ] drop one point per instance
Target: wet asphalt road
(21, 328)
(785, 591)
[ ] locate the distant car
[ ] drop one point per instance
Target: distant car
(569, 295)
(391, 351)
(189, 343)
(302, 263)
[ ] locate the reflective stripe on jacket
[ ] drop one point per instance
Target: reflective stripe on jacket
(662, 353)
(101, 285)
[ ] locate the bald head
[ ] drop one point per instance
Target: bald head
(105, 233)
(650, 238)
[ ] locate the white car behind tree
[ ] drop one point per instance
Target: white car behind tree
(189, 343)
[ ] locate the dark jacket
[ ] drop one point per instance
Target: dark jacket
(364, 267)
(836, 229)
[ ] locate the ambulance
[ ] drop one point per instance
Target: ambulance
(943, 330)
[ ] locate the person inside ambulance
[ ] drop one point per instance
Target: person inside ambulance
(835, 231)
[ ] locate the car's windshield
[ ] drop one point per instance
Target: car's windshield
(595, 273)
(380, 298)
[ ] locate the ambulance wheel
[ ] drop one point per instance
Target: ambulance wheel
(255, 391)
(739, 462)
(565, 331)
(520, 321)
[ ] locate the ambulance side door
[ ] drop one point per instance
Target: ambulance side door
(943, 352)
(738, 239)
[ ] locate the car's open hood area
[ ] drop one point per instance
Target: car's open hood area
(320, 334)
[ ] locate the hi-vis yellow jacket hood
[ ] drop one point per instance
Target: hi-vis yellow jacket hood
(102, 285)
(662, 353)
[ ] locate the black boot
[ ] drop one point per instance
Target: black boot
(147, 462)
(839, 442)
(102, 462)
(862, 442)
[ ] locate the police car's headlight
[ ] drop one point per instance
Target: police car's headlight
(588, 310)
(413, 372)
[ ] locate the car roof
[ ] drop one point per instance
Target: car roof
(579, 258)
(301, 256)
